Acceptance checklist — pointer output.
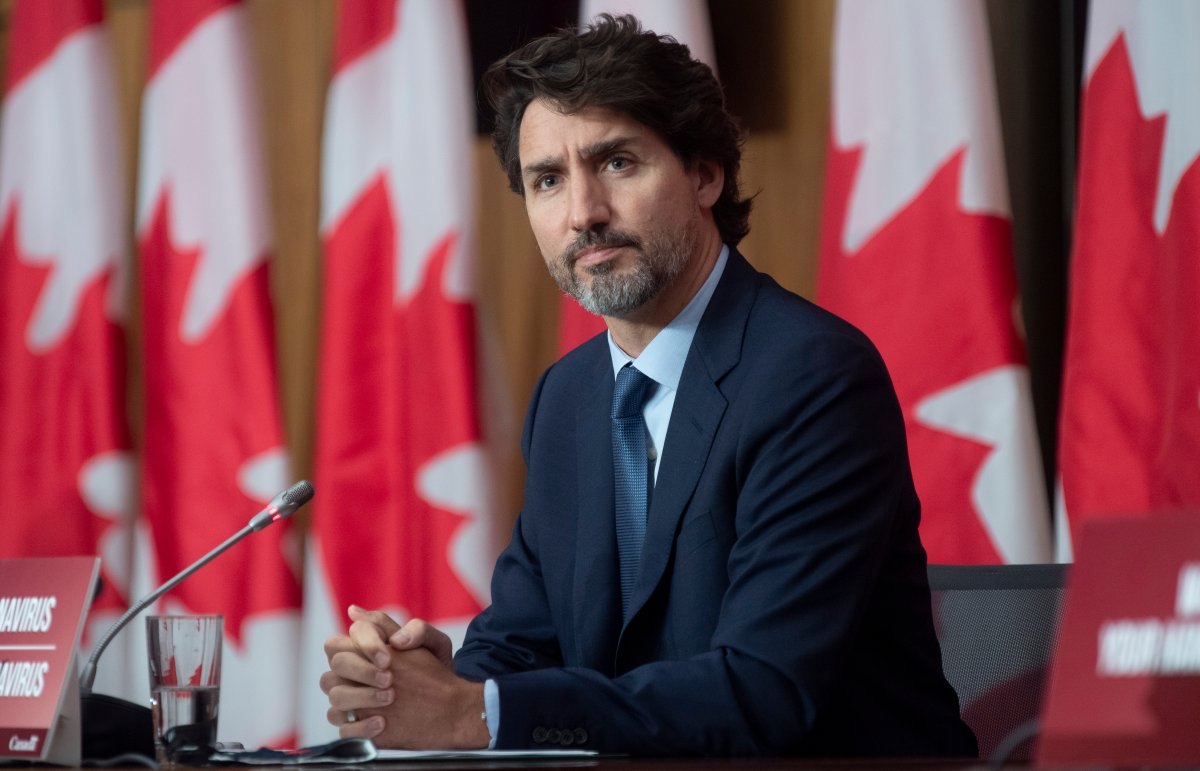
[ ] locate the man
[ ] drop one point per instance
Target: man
(718, 556)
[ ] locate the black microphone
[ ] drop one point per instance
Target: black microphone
(114, 726)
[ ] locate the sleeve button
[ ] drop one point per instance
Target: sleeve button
(581, 736)
(539, 734)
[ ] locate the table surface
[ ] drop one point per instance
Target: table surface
(704, 764)
(650, 764)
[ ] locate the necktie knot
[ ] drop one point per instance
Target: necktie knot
(629, 394)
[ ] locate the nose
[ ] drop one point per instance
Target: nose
(588, 203)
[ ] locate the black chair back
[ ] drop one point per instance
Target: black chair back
(997, 626)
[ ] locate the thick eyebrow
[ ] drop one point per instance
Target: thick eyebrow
(554, 163)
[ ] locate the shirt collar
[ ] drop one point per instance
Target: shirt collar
(663, 359)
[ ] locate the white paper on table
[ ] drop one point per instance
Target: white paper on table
(479, 754)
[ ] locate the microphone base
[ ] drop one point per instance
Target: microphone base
(113, 727)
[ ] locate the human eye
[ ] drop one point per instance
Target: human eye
(619, 163)
(546, 182)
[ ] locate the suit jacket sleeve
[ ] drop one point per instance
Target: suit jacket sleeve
(520, 632)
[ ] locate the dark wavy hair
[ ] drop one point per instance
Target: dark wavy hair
(613, 63)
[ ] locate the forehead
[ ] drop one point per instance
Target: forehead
(546, 132)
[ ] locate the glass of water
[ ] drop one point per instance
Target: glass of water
(185, 678)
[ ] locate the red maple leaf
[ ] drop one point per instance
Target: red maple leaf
(927, 289)
(211, 406)
(62, 408)
(1130, 415)
(397, 390)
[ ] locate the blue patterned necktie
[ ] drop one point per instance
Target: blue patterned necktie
(630, 473)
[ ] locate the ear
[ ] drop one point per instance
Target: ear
(710, 181)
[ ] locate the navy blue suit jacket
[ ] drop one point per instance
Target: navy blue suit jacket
(782, 605)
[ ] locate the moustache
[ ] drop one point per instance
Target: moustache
(610, 239)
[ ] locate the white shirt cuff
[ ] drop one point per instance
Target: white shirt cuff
(491, 706)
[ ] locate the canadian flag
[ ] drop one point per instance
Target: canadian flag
(401, 522)
(214, 451)
(917, 251)
(1130, 418)
(65, 465)
(685, 20)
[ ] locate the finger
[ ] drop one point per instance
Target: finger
(338, 644)
(336, 717)
(359, 697)
(328, 680)
(419, 634)
(352, 667)
(362, 728)
(370, 632)
(387, 625)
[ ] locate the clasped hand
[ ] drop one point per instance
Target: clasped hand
(399, 684)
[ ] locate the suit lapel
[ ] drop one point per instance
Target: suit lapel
(597, 582)
(697, 413)
(695, 417)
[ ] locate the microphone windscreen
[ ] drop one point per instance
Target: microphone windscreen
(299, 493)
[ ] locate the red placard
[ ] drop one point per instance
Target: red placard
(1125, 682)
(43, 602)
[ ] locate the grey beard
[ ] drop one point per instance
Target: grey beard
(659, 262)
(610, 294)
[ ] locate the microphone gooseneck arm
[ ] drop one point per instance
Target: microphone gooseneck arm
(280, 507)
